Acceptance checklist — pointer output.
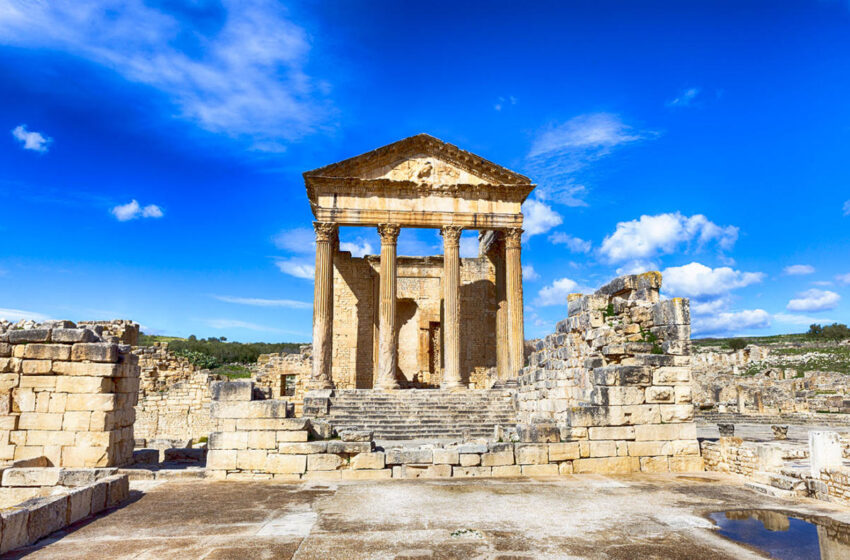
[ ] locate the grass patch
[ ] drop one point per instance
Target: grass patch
(233, 371)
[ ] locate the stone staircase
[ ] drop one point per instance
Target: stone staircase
(413, 414)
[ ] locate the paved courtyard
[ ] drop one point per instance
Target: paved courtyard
(590, 516)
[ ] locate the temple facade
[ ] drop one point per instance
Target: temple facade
(389, 321)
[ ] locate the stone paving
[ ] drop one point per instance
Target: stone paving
(591, 516)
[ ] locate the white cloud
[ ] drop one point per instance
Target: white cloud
(357, 248)
(502, 102)
(34, 141)
(538, 217)
(709, 307)
(843, 278)
(814, 300)
(574, 244)
(731, 322)
(298, 240)
(133, 210)
(260, 302)
(794, 319)
(799, 269)
(244, 77)
(847, 208)
(556, 293)
(20, 314)
(528, 273)
(698, 281)
(469, 245)
(559, 152)
(685, 98)
(297, 268)
(637, 266)
(650, 236)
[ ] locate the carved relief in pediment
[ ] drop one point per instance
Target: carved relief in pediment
(424, 169)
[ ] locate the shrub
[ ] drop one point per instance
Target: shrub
(737, 344)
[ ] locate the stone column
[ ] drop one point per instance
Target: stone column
(513, 286)
(451, 307)
(323, 305)
(503, 351)
(387, 333)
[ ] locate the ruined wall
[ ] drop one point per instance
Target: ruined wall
(272, 369)
(66, 395)
(122, 331)
(174, 396)
(419, 309)
(617, 373)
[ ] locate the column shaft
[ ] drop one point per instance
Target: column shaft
(323, 305)
(513, 266)
(387, 333)
(451, 306)
(503, 351)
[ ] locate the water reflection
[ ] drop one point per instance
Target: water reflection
(784, 537)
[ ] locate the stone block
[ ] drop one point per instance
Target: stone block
(146, 456)
(47, 352)
(683, 394)
(104, 402)
(221, 459)
(118, 489)
(21, 336)
(292, 436)
(604, 448)
(686, 464)
(98, 496)
(469, 459)
(303, 448)
(79, 503)
(251, 409)
(660, 394)
(648, 448)
(471, 472)
(251, 459)
(381, 474)
(564, 451)
(228, 440)
(470, 448)
(422, 471)
(538, 433)
(607, 396)
(446, 457)
(677, 413)
(14, 533)
(36, 367)
(654, 465)
(47, 515)
(286, 464)
(350, 447)
(68, 335)
(10, 365)
(365, 461)
(84, 384)
(87, 369)
(506, 471)
(671, 375)
(611, 432)
(324, 462)
(540, 470)
(79, 456)
(276, 424)
(356, 435)
(499, 458)
(5, 349)
(565, 468)
(661, 432)
(94, 352)
(409, 456)
(232, 390)
(40, 421)
(185, 455)
(673, 311)
(684, 447)
(261, 440)
(37, 437)
(621, 375)
(825, 452)
(531, 454)
(569, 433)
(31, 476)
(607, 465)
(323, 476)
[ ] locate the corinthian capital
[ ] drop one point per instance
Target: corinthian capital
(451, 235)
(325, 231)
(388, 232)
(513, 238)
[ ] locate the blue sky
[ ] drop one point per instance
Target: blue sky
(151, 152)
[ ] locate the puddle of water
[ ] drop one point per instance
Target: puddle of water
(784, 537)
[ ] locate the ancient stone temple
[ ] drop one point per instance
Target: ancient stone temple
(394, 322)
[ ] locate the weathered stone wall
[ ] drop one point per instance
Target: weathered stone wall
(122, 331)
(66, 395)
(419, 309)
(616, 373)
(272, 370)
(174, 396)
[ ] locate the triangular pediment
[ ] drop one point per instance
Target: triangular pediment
(422, 159)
